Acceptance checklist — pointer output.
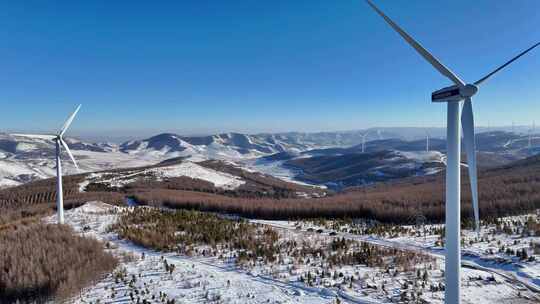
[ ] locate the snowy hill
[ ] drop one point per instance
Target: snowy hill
(118, 179)
(220, 146)
(354, 169)
(24, 159)
(387, 159)
(242, 146)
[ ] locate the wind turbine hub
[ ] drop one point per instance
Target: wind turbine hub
(468, 90)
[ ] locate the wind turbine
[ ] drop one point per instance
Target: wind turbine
(59, 142)
(531, 132)
(427, 140)
(364, 141)
(453, 96)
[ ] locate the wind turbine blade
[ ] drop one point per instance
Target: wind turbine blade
(420, 49)
(467, 122)
(68, 121)
(40, 136)
(478, 82)
(69, 153)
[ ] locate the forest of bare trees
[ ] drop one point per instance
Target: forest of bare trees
(38, 198)
(504, 191)
(510, 190)
(186, 232)
(41, 262)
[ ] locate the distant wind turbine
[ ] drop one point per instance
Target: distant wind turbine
(453, 96)
(59, 142)
(364, 141)
(427, 141)
(531, 132)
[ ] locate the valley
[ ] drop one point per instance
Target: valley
(295, 157)
(225, 220)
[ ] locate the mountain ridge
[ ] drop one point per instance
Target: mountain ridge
(24, 159)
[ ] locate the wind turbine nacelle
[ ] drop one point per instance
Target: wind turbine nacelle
(454, 93)
(448, 94)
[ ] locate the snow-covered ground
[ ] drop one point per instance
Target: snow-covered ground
(195, 279)
(424, 156)
(480, 252)
(198, 279)
(14, 171)
(214, 150)
(94, 161)
(275, 169)
(186, 168)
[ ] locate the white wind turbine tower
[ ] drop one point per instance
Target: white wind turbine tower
(453, 96)
(427, 141)
(59, 142)
(531, 132)
(364, 141)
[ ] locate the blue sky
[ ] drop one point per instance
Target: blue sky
(194, 67)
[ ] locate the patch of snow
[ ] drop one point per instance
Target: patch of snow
(6, 182)
(423, 156)
(219, 179)
(186, 168)
(275, 169)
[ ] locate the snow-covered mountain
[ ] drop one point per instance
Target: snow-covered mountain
(354, 169)
(221, 146)
(387, 159)
(242, 146)
(24, 159)
(231, 145)
(118, 178)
